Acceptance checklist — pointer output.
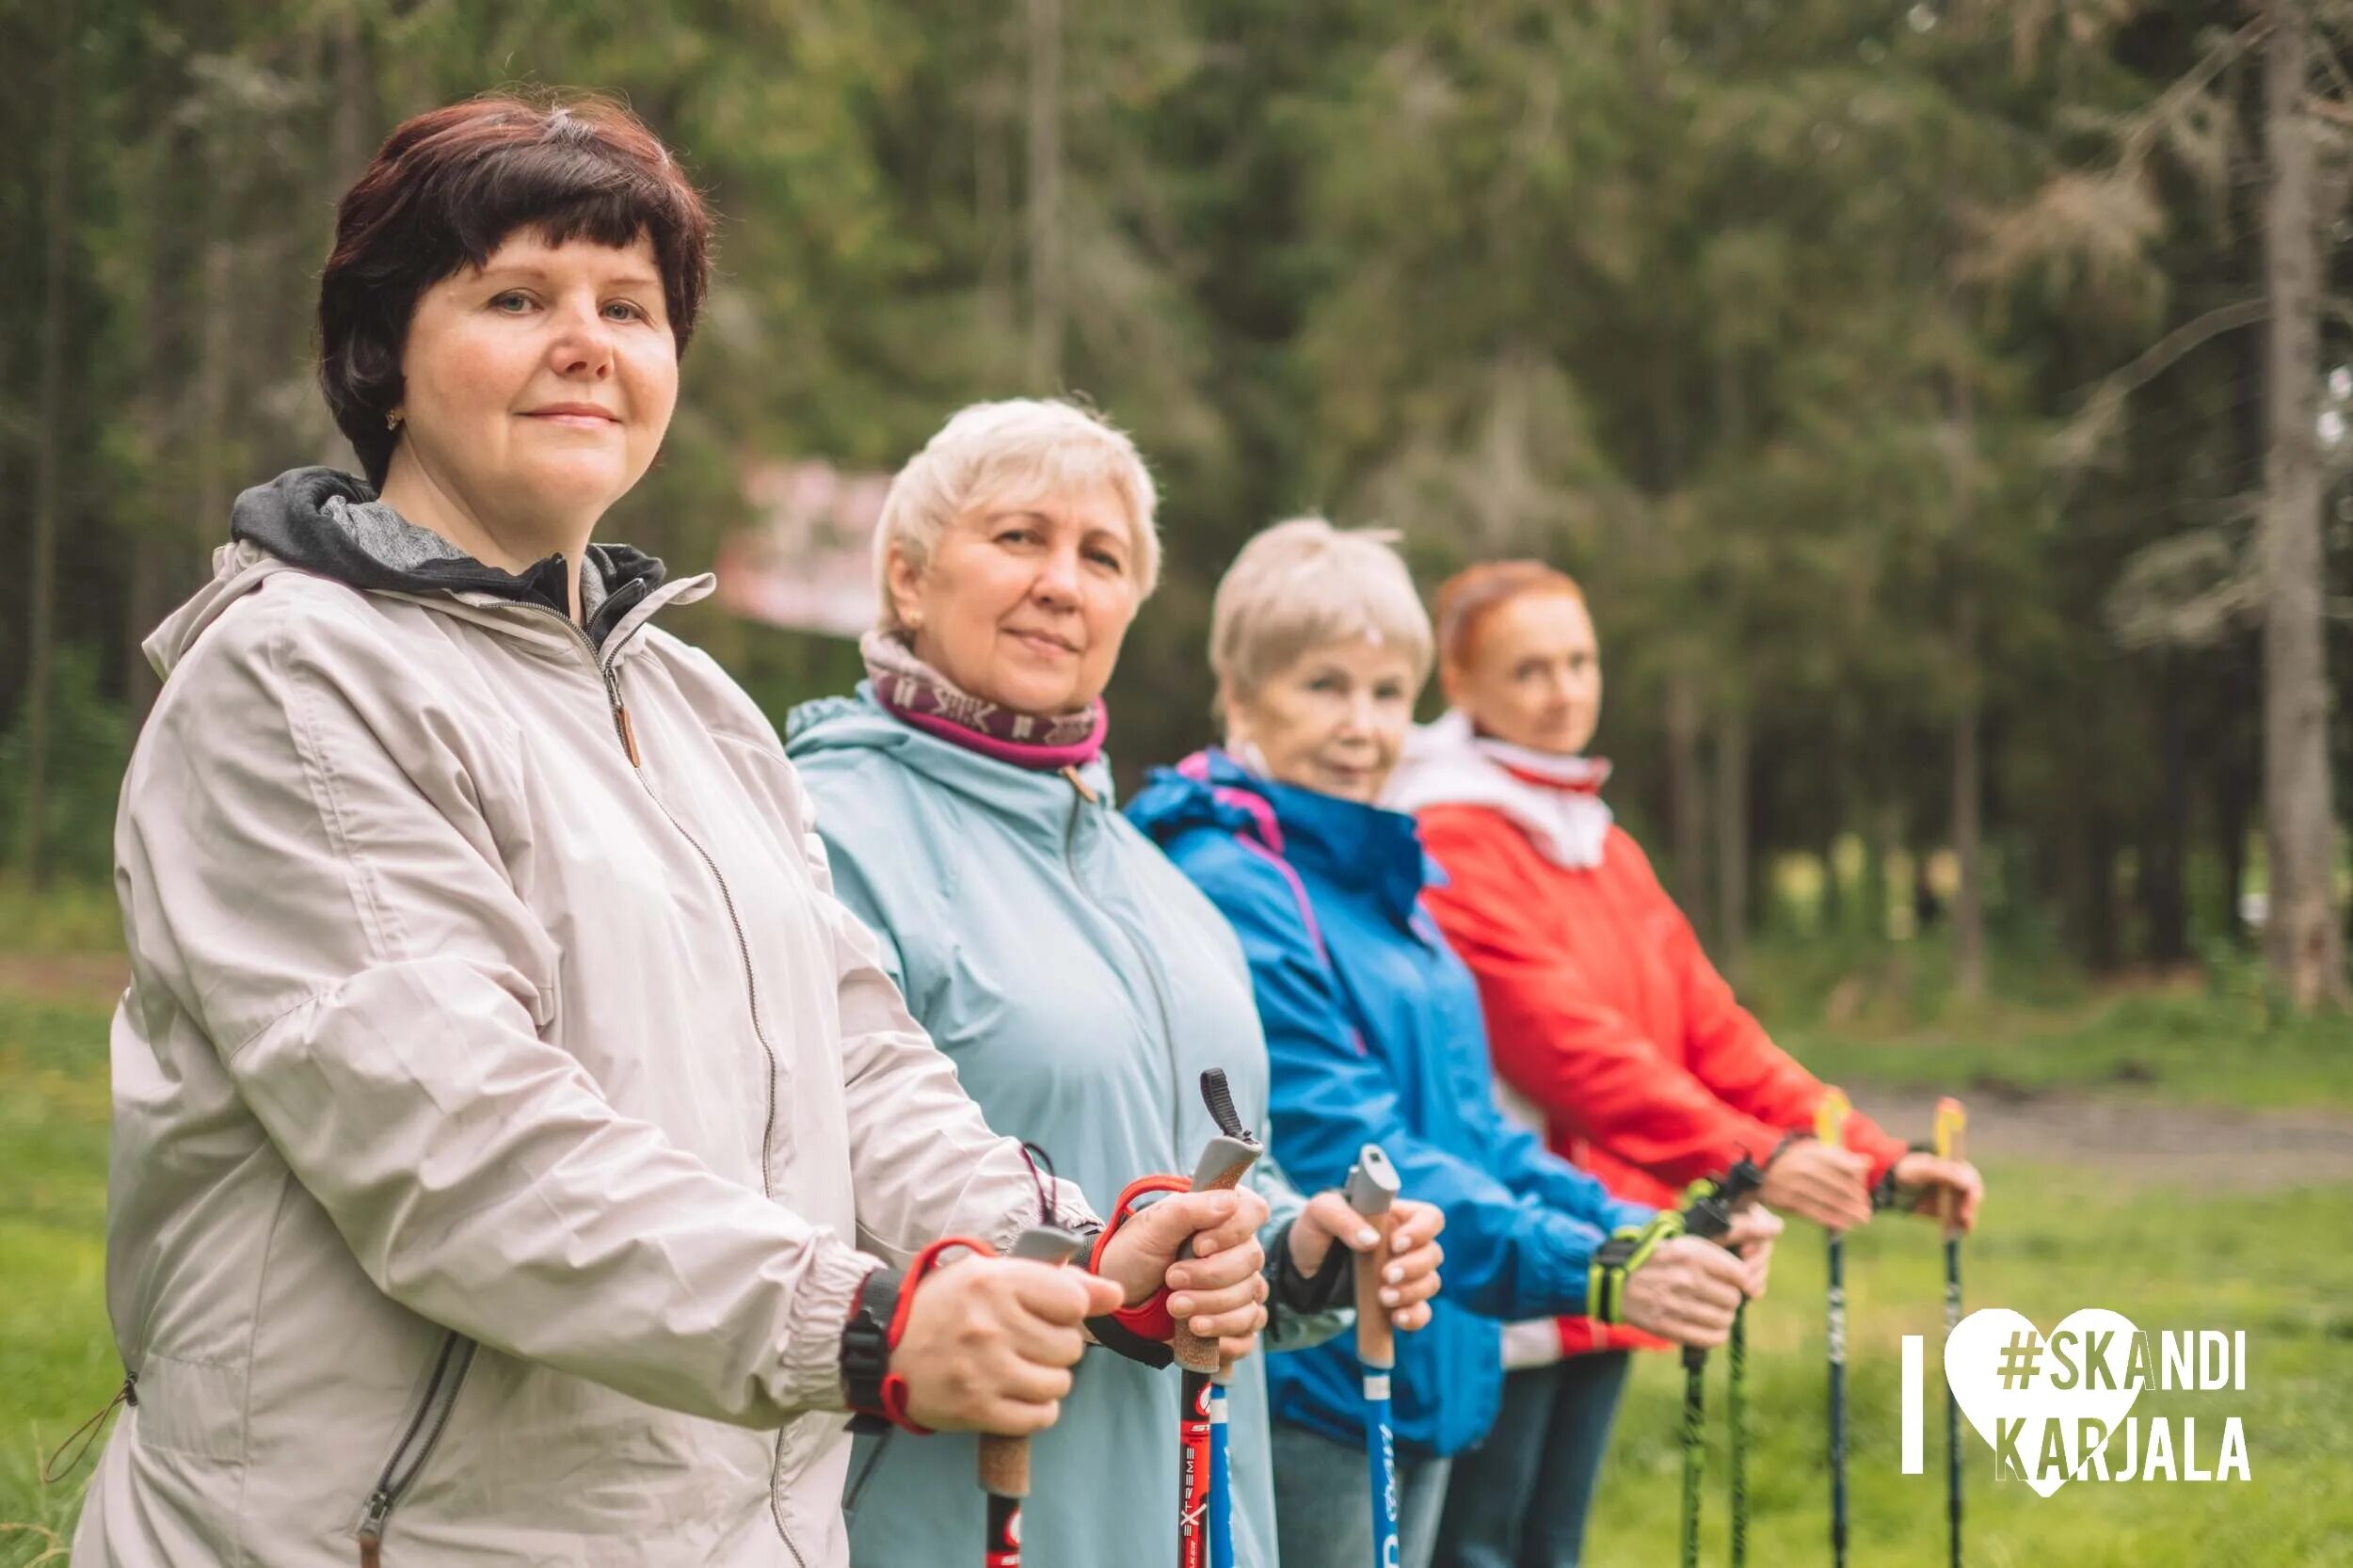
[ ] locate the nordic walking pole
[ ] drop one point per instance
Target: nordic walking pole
(1222, 1164)
(1737, 1416)
(1372, 1187)
(1221, 1475)
(1707, 1214)
(1950, 1137)
(1005, 1462)
(1830, 1125)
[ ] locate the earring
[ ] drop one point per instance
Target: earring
(392, 419)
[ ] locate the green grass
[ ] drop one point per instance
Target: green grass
(58, 1362)
(2054, 1238)
(65, 918)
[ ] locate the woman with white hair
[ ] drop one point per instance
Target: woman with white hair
(1373, 1026)
(1078, 983)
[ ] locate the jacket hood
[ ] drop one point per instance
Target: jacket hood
(1345, 843)
(331, 524)
(1445, 765)
(838, 724)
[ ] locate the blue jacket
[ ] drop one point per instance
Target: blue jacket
(1081, 985)
(1374, 1033)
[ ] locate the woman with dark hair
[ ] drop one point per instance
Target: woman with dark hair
(520, 1155)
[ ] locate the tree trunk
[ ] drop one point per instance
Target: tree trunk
(1047, 304)
(351, 119)
(2303, 944)
(2102, 951)
(1688, 798)
(40, 619)
(1968, 818)
(1732, 839)
(2165, 851)
(2233, 804)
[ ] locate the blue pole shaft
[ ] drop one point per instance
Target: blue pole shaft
(1221, 1486)
(1380, 1466)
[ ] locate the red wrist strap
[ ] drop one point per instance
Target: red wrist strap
(1149, 1319)
(894, 1388)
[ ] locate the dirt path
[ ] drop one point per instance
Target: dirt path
(2136, 1136)
(2146, 1140)
(83, 979)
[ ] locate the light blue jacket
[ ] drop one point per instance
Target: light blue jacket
(1080, 985)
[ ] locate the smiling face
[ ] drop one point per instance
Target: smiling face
(1532, 675)
(537, 389)
(1024, 603)
(1333, 720)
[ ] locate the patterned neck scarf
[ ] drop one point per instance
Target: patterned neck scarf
(920, 697)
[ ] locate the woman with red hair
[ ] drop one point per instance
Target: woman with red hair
(1605, 1016)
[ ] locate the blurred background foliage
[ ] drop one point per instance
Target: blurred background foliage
(1893, 375)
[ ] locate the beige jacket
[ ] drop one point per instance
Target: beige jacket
(505, 1111)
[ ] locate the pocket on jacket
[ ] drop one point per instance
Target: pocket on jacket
(194, 1407)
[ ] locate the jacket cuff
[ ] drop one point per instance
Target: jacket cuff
(1071, 1212)
(1331, 1288)
(1869, 1140)
(1624, 1213)
(810, 1377)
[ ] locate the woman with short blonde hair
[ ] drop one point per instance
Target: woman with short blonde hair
(1079, 985)
(1305, 583)
(1020, 449)
(1320, 645)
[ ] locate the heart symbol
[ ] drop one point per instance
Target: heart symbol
(1985, 1343)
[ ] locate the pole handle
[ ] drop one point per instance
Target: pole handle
(1193, 1353)
(1950, 1138)
(1372, 1188)
(1830, 1117)
(1005, 1462)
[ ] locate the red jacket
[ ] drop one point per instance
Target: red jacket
(1603, 1010)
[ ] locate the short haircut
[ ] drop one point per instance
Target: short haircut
(447, 189)
(1008, 453)
(1470, 596)
(1304, 584)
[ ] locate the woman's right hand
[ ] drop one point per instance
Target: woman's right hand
(990, 1341)
(1824, 1184)
(1687, 1291)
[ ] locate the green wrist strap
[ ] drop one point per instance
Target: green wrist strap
(1625, 1250)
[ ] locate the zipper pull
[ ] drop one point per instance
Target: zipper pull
(372, 1529)
(1085, 792)
(629, 731)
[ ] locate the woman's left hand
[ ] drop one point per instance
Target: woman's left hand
(1924, 1179)
(1410, 1277)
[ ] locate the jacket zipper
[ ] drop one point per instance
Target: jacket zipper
(865, 1474)
(1144, 961)
(626, 733)
(431, 1420)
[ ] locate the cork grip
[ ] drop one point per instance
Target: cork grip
(1223, 1166)
(1372, 1187)
(1005, 1466)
